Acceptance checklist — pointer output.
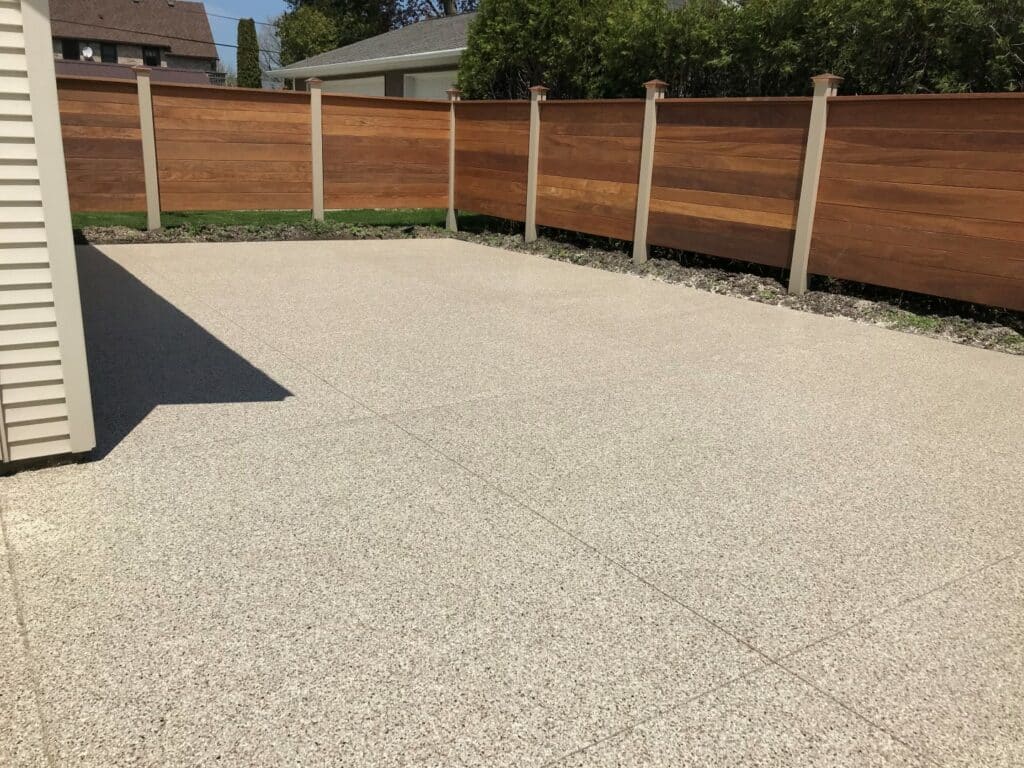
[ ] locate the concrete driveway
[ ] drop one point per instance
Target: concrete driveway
(429, 503)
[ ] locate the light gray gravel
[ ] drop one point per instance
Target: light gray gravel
(431, 503)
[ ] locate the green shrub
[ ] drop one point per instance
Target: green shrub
(607, 48)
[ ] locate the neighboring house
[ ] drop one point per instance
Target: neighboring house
(417, 61)
(173, 36)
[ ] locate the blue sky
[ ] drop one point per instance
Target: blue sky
(226, 30)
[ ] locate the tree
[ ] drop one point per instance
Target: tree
(514, 44)
(249, 73)
(409, 11)
(353, 20)
(607, 48)
(305, 32)
(270, 45)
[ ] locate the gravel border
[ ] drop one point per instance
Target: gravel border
(959, 322)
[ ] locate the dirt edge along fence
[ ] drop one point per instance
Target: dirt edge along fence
(922, 193)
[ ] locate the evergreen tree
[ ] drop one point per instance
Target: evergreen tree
(249, 73)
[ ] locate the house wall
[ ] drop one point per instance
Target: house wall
(188, 62)
(131, 55)
(422, 83)
(45, 406)
(374, 85)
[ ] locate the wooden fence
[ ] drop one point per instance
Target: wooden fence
(921, 193)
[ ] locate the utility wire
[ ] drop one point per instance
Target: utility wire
(164, 37)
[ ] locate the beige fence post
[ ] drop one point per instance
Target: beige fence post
(454, 94)
(655, 91)
(538, 93)
(148, 147)
(824, 86)
(316, 122)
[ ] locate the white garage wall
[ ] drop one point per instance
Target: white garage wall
(45, 405)
(359, 86)
(430, 85)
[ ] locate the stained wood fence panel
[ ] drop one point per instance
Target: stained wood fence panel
(228, 149)
(589, 165)
(727, 177)
(102, 144)
(492, 144)
(385, 153)
(925, 194)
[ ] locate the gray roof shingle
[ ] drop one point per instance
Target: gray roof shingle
(182, 26)
(441, 34)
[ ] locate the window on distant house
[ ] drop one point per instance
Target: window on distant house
(108, 53)
(151, 56)
(69, 50)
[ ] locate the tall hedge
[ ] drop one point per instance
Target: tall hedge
(249, 73)
(607, 48)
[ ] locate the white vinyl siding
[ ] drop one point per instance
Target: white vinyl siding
(34, 413)
(356, 86)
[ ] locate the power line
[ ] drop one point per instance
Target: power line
(164, 37)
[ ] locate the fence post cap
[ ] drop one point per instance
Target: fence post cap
(314, 82)
(828, 78)
(656, 85)
(454, 94)
(141, 71)
(539, 90)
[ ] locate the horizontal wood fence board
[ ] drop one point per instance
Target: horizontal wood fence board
(102, 145)
(924, 195)
(111, 91)
(84, 112)
(254, 152)
(951, 112)
(492, 160)
(215, 97)
(101, 132)
(382, 103)
(667, 146)
(221, 201)
(504, 111)
(785, 136)
(979, 141)
(770, 219)
(589, 165)
(962, 202)
(176, 116)
(874, 262)
(385, 153)
(594, 220)
(727, 177)
(919, 222)
(212, 146)
(990, 256)
(791, 114)
(342, 151)
(784, 186)
(912, 174)
(239, 135)
(491, 154)
(727, 239)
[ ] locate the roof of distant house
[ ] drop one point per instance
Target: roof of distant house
(181, 26)
(440, 35)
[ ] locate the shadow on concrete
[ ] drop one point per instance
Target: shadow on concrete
(144, 352)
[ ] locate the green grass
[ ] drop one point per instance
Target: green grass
(909, 321)
(423, 217)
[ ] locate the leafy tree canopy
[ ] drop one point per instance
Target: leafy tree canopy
(608, 48)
